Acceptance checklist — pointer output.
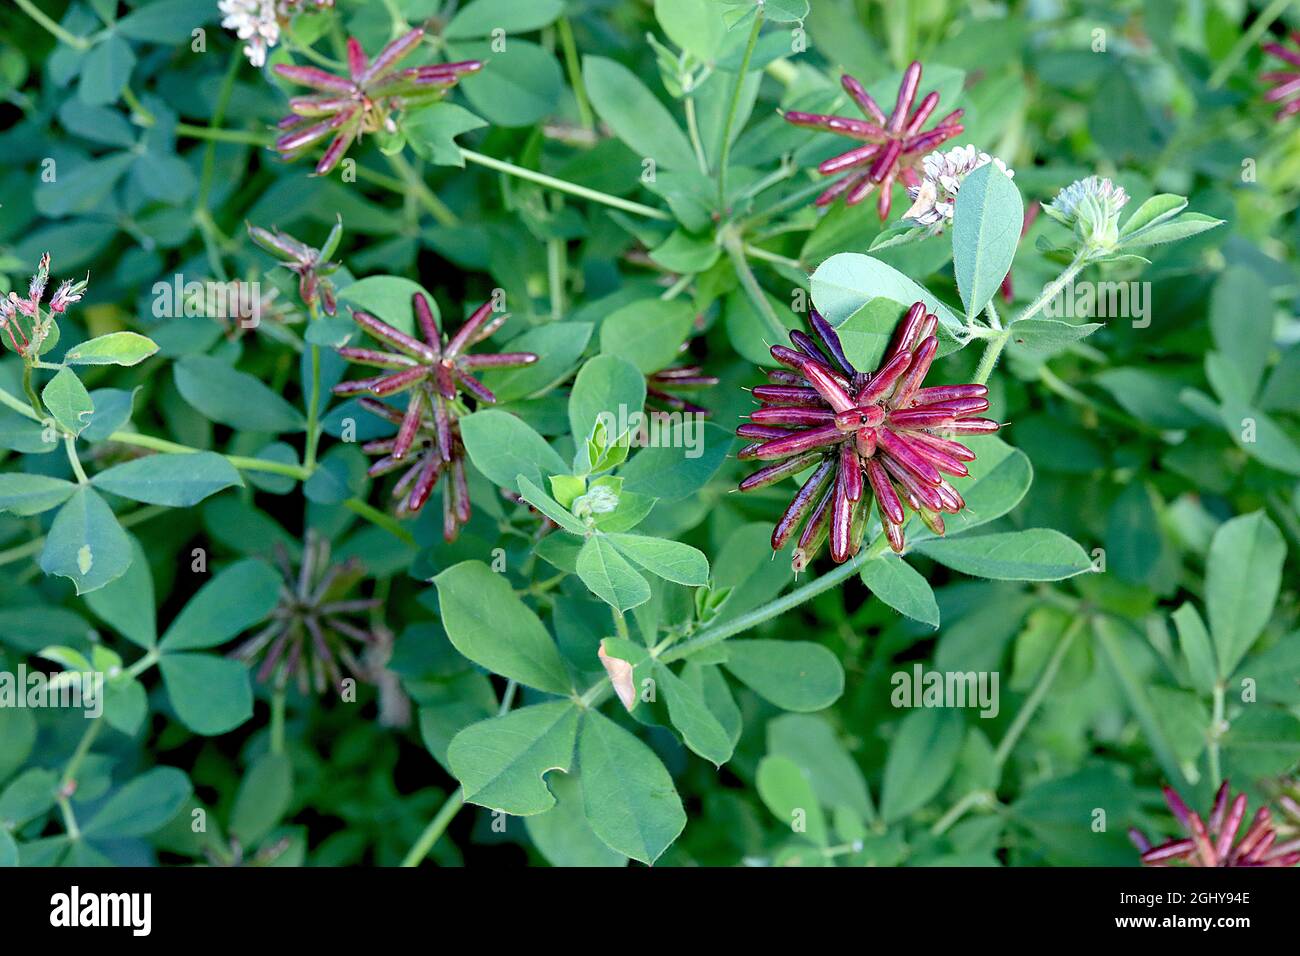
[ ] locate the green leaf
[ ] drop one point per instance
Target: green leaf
(607, 388)
(142, 806)
(233, 601)
(503, 447)
(811, 743)
(179, 481)
(1243, 574)
(694, 25)
(521, 85)
(166, 21)
(1155, 210)
(388, 298)
(608, 575)
(563, 835)
(687, 456)
(902, 587)
(794, 675)
(1050, 335)
(848, 281)
(86, 544)
(28, 796)
(1262, 742)
(558, 347)
(482, 17)
(211, 695)
(127, 604)
(548, 506)
(1198, 653)
(785, 789)
(116, 348)
(630, 799)
(1241, 321)
(126, 705)
(23, 494)
(502, 762)
(648, 333)
(1036, 554)
(488, 623)
(1185, 226)
(106, 70)
(8, 850)
(263, 798)
(635, 116)
(921, 757)
(231, 397)
(690, 714)
(68, 401)
(432, 132)
(987, 219)
(671, 560)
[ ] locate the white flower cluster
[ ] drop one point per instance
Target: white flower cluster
(1091, 208)
(935, 197)
(257, 22)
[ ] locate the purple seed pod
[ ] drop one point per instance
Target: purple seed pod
(1212, 844)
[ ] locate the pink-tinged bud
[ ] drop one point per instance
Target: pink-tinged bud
(357, 60)
(932, 521)
(906, 335)
(894, 533)
(466, 332)
(827, 386)
(786, 395)
(891, 508)
(1230, 824)
(916, 372)
(752, 430)
(830, 341)
(375, 358)
(791, 416)
(315, 78)
(1180, 809)
(780, 471)
(972, 426)
(906, 96)
(398, 339)
(885, 161)
(902, 451)
(430, 470)
(879, 386)
(399, 381)
(1139, 839)
(850, 471)
(865, 441)
(838, 188)
(427, 322)
(334, 152)
(862, 416)
(864, 99)
(922, 114)
(855, 157)
(929, 141)
(499, 360)
(947, 393)
(388, 57)
(410, 425)
(841, 520)
(803, 503)
(800, 441)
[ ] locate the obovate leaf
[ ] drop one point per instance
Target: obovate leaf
(86, 544)
(987, 218)
(177, 481)
(630, 799)
(1036, 554)
(1243, 574)
(794, 675)
(502, 762)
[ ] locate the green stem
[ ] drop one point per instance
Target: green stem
(572, 65)
(998, 341)
(216, 135)
(555, 276)
(76, 42)
(724, 153)
(564, 186)
(754, 252)
(1216, 722)
(435, 206)
(1035, 698)
(70, 442)
(1247, 40)
(239, 461)
(735, 247)
(959, 809)
(435, 829)
(454, 802)
(313, 406)
(277, 720)
(620, 624)
(379, 518)
(720, 632)
(693, 128)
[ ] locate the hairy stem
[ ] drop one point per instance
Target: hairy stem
(379, 518)
(735, 247)
(573, 65)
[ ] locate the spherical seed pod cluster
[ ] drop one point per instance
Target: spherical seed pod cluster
(881, 431)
